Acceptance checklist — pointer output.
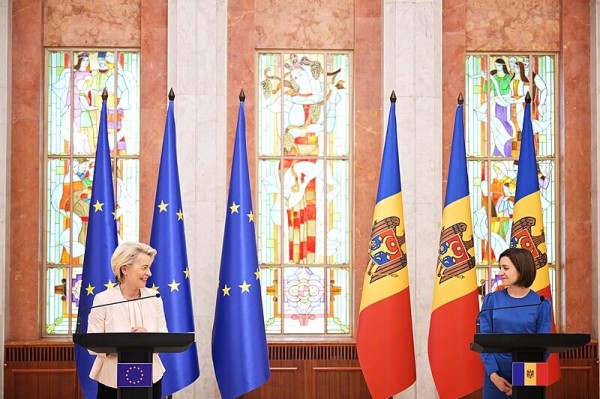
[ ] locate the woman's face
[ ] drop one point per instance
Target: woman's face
(137, 274)
(508, 272)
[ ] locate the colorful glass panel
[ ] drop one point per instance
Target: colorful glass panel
(338, 301)
(75, 81)
(304, 300)
(496, 86)
(269, 210)
(69, 189)
(270, 283)
(128, 199)
(338, 105)
(57, 303)
(304, 190)
(337, 231)
(270, 104)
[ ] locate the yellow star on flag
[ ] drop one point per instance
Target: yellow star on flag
(226, 290)
(245, 287)
(98, 206)
(154, 287)
(234, 208)
(257, 274)
(90, 289)
(174, 286)
(250, 216)
(187, 272)
(162, 207)
(115, 215)
(180, 215)
(109, 285)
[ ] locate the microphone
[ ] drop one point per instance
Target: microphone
(478, 321)
(85, 310)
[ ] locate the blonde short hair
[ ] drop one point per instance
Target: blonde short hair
(126, 253)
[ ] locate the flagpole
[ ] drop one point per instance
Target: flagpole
(171, 270)
(239, 343)
(101, 241)
(455, 302)
(384, 337)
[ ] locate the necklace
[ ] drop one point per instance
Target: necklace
(129, 298)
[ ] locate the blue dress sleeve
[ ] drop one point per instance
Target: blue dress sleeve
(485, 327)
(544, 319)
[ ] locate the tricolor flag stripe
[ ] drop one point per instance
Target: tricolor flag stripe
(530, 374)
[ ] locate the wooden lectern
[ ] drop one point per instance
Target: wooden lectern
(528, 348)
(134, 348)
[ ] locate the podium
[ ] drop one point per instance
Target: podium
(134, 348)
(528, 348)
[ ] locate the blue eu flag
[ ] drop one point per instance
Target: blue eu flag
(100, 244)
(170, 269)
(239, 344)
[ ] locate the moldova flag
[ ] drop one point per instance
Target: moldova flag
(455, 296)
(529, 374)
(384, 339)
(528, 222)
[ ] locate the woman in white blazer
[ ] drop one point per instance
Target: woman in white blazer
(131, 264)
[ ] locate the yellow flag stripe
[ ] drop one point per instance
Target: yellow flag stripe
(374, 291)
(530, 206)
(456, 212)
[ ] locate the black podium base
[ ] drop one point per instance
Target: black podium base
(533, 356)
(139, 355)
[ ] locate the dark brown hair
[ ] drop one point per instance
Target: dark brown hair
(523, 261)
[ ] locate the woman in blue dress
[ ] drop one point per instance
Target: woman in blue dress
(517, 271)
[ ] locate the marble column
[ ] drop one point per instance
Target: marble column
(412, 68)
(196, 72)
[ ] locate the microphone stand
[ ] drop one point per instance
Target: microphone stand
(89, 308)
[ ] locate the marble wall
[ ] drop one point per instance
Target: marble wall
(5, 47)
(595, 119)
(512, 25)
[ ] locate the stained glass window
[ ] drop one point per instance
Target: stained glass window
(304, 188)
(496, 86)
(75, 80)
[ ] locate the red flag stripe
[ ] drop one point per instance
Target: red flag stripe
(385, 345)
(456, 370)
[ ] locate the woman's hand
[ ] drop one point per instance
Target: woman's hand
(501, 384)
(138, 329)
